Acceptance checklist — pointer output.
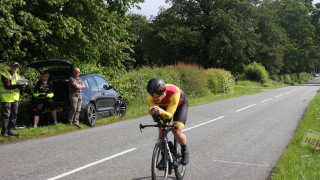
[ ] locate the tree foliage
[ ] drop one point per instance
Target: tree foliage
(77, 30)
(282, 35)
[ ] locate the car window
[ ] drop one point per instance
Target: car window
(86, 84)
(100, 81)
(92, 84)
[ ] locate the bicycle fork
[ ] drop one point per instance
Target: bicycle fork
(169, 149)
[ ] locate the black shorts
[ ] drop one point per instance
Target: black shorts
(180, 116)
(41, 103)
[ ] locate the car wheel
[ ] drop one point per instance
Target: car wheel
(91, 115)
(121, 108)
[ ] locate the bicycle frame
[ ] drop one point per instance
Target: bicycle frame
(164, 146)
(165, 130)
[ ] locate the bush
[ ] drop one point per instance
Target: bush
(190, 78)
(193, 80)
(285, 78)
(240, 77)
(305, 77)
(220, 81)
(256, 72)
(294, 77)
(276, 78)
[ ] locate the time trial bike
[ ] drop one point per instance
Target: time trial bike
(170, 151)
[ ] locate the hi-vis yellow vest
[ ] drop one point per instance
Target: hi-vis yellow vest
(9, 95)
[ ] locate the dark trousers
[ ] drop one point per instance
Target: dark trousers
(41, 103)
(9, 116)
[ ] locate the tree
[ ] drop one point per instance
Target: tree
(140, 27)
(282, 35)
(78, 30)
(272, 38)
(210, 33)
(295, 19)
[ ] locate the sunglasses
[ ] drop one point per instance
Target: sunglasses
(155, 95)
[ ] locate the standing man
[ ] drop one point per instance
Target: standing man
(10, 94)
(75, 96)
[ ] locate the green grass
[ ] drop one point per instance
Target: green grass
(301, 162)
(135, 110)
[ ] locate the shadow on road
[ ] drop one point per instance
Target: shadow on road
(149, 177)
(308, 84)
(314, 82)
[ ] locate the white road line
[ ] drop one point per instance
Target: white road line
(266, 100)
(287, 92)
(203, 123)
(245, 108)
(91, 164)
(279, 95)
(248, 164)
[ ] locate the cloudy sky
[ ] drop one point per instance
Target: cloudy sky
(151, 7)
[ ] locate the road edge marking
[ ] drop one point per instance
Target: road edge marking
(248, 164)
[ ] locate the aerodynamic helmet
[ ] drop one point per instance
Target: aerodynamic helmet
(156, 87)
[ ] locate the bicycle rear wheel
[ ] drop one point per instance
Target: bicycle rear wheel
(180, 170)
(159, 151)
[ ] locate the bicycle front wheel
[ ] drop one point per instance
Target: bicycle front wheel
(160, 161)
(180, 170)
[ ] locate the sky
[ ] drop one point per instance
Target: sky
(151, 7)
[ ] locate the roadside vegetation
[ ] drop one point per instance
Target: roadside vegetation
(200, 85)
(301, 162)
(133, 111)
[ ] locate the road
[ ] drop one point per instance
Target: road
(240, 138)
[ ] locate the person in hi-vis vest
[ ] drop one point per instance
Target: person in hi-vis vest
(10, 94)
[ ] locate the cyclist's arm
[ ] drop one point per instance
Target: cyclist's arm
(150, 101)
(172, 107)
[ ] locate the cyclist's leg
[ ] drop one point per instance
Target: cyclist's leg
(161, 163)
(178, 134)
(180, 118)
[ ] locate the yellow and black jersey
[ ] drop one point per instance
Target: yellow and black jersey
(173, 99)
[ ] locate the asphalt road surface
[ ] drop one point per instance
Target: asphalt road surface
(240, 138)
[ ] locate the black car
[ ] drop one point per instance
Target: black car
(99, 98)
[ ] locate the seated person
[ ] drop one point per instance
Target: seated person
(43, 97)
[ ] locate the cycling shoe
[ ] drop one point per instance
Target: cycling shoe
(185, 158)
(161, 165)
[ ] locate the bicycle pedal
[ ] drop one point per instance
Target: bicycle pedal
(177, 164)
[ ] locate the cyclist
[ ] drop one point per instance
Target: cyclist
(168, 101)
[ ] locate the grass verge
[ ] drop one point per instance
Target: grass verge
(301, 162)
(242, 88)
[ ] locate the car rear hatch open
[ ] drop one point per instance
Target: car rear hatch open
(60, 71)
(57, 68)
